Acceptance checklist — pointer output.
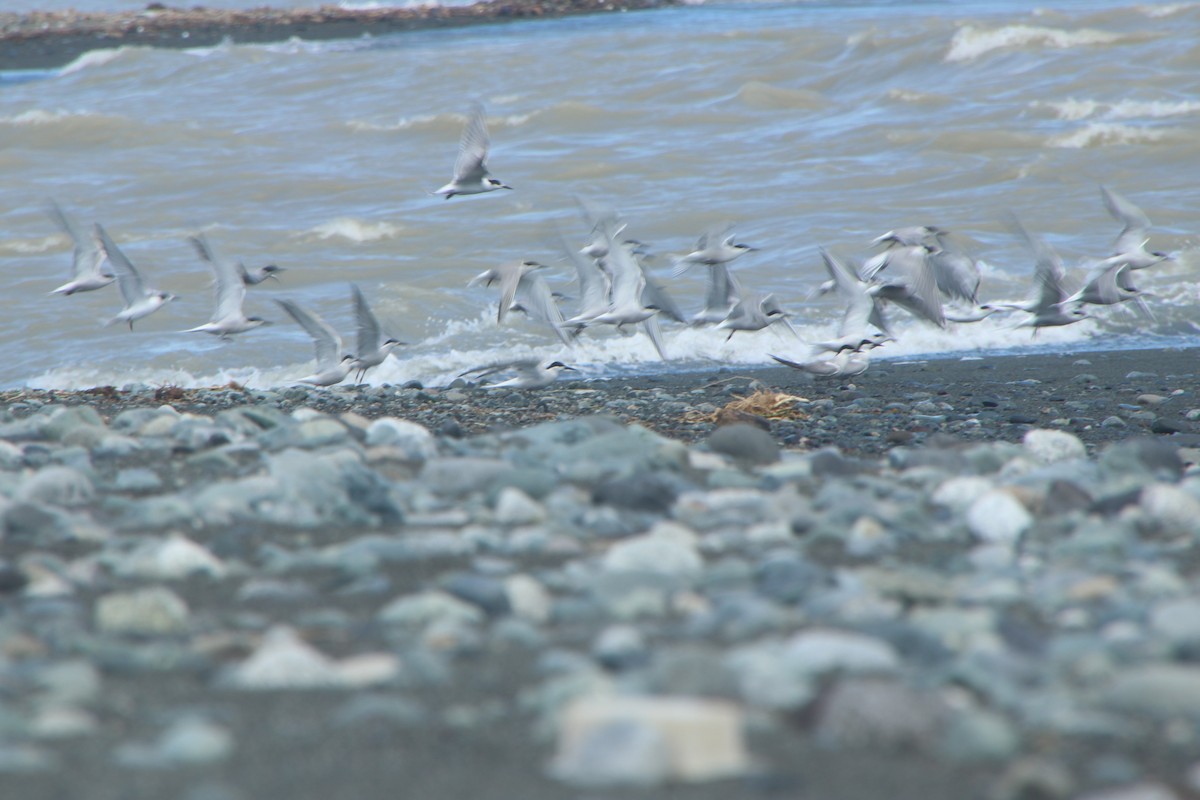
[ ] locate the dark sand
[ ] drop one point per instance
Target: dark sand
(46, 40)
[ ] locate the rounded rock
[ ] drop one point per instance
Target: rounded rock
(998, 518)
(1049, 446)
(145, 612)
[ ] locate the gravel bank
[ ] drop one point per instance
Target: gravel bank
(987, 589)
(45, 40)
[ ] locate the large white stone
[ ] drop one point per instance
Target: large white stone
(1048, 446)
(414, 440)
(528, 598)
(145, 612)
(649, 740)
(819, 651)
(957, 494)
(514, 507)
(1173, 508)
(658, 555)
(997, 517)
(285, 661)
(173, 558)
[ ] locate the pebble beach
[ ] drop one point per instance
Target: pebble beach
(945, 578)
(48, 39)
(948, 579)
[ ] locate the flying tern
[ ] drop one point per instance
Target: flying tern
(372, 348)
(333, 364)
(228, 317)
(525, 373)
(140, 301)
(87, 273)
(471, 174)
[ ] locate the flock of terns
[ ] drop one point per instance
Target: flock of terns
(919, 270)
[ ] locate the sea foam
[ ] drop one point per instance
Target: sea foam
(970, 42)
(1073, 109)
(1103, 134)
(355, 230)
(93, 58)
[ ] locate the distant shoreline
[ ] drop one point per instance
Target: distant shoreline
(46, 40)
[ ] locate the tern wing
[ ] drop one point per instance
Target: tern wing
(956, 273)
(366, 325)
(628, 279)
(1108, 285)
(1047, 270)
(471, 166)
(655, 295)
(537, 299)
(501, 366)
(1136, 223)
(510, 278)
(230, 289)
(593, 285)
(861, 306)
(654, 331)
(327, 342)
(87, 252)
(128, 279)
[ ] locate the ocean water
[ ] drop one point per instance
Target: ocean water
(799, 124)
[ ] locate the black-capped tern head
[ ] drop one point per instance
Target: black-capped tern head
(256, 276)
(471, 174)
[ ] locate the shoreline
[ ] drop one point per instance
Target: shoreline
(1101, 397)
(47, 40)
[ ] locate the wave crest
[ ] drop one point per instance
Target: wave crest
(355, 230)
(1103, 134)
(970, 42)
(93, 58)
(1074, 110)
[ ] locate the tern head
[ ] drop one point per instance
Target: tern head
(270, 270)
(492, 183)
(558, 366)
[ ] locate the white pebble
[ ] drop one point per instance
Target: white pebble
(646, 740)
(998, 517)
(1047, 446)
